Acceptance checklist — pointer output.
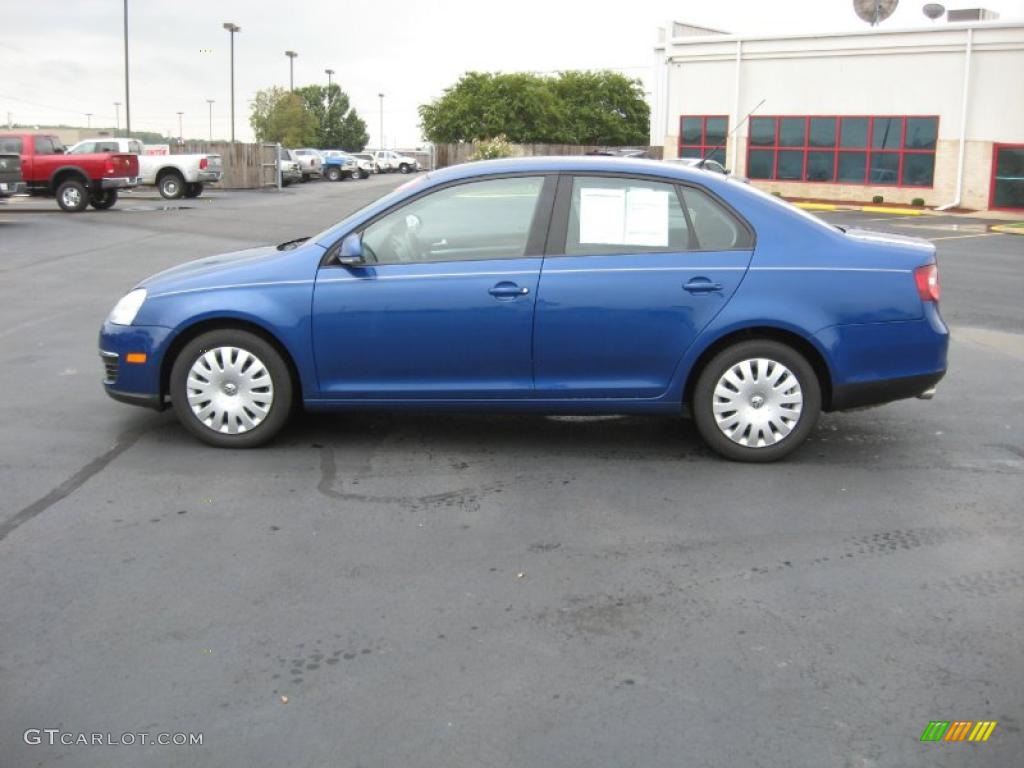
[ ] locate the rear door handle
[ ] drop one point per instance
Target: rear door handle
(507, 290)
(702, 285)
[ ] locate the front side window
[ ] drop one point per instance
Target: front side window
(84, 149)
(609, 215)
(488, 219)
(44, 145)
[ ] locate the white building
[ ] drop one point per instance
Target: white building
(935, 113)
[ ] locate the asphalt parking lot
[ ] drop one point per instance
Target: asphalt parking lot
(444, 590)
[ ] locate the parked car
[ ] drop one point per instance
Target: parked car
(77, 181)
(704, 164)
(553, 285)
(340, 165)
(291, 169)
(369, 159)
(10, 171)
(173, 175)
(388, 161)
(634, 152)
(310, 162)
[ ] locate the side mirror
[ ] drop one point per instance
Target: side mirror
(351, 252)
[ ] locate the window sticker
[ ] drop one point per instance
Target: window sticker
(637, 216)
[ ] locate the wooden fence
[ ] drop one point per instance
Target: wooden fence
(453, 154)
(243, 163)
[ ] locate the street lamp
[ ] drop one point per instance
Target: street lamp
(210, 102)
(117, 116)
(181, 139)
(127, 96)
(232, 28)
(291, 68)
(381, 97)
(88, 119)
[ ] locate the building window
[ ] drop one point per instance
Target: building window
(889, 151)
(703, 136)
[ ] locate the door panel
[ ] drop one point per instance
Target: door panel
(614, 319)
(442, 308)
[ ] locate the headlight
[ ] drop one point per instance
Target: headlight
(127, 308)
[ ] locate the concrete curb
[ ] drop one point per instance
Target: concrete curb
(863, 208)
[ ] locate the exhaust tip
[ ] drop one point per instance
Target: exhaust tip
(928, 394)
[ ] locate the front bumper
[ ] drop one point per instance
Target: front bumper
(135, 383)
(119, 182)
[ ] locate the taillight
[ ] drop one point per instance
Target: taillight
(110, 167)
(927, 279)
(204, 164)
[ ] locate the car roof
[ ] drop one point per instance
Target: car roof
(572, 163)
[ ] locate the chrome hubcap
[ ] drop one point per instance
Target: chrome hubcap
(72, 197)
(757, 402)
(230, 390)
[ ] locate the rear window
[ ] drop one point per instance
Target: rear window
(10, 146)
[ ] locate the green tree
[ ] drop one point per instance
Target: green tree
(602, 108)
(574, 107)
(281, 116)
(340, 125)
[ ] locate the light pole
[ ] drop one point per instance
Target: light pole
(127, 96)
(232, 28)
(329, 72)
(181, 139)
(291, 69)
(210, 102)
(381, 97)
(88, 119)
(117, 116)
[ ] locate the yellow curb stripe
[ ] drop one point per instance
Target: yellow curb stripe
(1007, 229)
(817, 206)
(895, 211)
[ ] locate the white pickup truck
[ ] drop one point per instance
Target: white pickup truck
(173, 175)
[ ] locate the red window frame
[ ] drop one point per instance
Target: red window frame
(868, 149)
(703, 147)
(992, 181)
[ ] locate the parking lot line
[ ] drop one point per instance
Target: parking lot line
(960, 237)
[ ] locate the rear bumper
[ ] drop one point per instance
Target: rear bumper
(209, 176)
(868, 393)
(118, 182)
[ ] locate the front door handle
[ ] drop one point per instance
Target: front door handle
(702, 285)
(507, 290)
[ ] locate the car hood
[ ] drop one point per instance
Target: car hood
(249, 265)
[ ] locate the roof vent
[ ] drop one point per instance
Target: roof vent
(972, 14)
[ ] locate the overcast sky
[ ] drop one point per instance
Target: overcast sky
(61, 60)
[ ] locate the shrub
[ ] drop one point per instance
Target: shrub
(877, 199)
(490, 149)
(917, 202)
(777, 194)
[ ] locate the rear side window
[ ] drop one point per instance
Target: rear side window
(715, 228)
(610, 215)
(84, 149)
(10, 146)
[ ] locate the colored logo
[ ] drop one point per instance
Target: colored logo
(958, 730)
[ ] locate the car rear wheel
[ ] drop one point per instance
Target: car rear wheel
(171, 185)
(333, 173)
(103, 200)
(194, 189)
(72, 196)
(756, 401)
(405, 167)
(231, 389)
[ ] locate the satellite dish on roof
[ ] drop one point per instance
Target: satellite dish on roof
(933, 10)
(874, 11)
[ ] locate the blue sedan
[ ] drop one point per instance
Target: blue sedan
(554, 285)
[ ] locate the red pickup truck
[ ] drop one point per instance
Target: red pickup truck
(77, 181)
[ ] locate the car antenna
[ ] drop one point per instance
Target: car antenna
(730, 133)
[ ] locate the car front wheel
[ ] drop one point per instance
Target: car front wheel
(756, 401)
(231, 389)
(72, 196)
(171, 185)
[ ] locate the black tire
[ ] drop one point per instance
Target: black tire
(171, 185)
(305, 178)
(104, 199)
(333, 173)
(704, 400)
(405, 167)
(72, 196)
(364, 174)
(280, 376)
(194, 189)
(286, 182)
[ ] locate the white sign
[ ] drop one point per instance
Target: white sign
(637, 216)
